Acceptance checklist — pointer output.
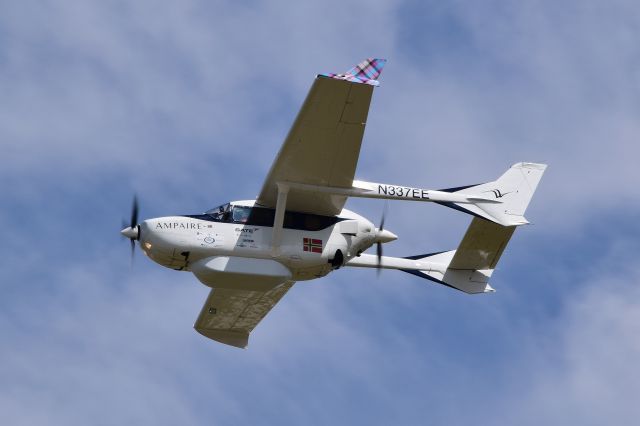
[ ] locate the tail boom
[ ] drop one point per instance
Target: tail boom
(468, 268)
(436, 262)
(502, 201)
(499, 207)
(434, 267)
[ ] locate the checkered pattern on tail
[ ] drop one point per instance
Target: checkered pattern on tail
(365, 72)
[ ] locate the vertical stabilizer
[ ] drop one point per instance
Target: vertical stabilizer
(469, 267)
(505, 200)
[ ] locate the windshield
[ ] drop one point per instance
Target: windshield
(219, 213)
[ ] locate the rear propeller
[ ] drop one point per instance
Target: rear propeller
(133, 230)
(382, 236)
(379, 243)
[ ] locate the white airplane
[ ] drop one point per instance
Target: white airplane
(251, 252)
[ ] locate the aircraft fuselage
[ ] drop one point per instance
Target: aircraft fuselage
(184, 242)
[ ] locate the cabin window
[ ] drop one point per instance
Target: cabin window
(261, 216)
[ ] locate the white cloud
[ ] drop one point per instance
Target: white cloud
(584, 369)
(530, 82)
(102, 80)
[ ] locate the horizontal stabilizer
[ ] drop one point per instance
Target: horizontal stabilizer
(366, 72)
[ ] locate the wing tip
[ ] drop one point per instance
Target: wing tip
(231, 338)
(366, 72)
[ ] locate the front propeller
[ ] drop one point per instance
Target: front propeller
(133, 230)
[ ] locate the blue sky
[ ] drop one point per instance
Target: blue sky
(186, 104)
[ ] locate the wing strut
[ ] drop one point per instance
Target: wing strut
(281, 205)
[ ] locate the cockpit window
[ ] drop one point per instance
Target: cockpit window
(241, 214)
(221, 213)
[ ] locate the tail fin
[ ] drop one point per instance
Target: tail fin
(366, 72)
(469, 267)
(504, 200)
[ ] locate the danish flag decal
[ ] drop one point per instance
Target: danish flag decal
(312, 245)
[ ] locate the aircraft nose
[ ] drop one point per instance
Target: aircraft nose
(385, 236)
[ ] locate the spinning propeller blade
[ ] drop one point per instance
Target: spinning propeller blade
(134, 212)
(132, 231)
(379, 244)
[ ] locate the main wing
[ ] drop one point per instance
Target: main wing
(323, 145)
(229, 316)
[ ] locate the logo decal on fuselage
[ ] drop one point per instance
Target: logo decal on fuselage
(180, 225)
(248, 237)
